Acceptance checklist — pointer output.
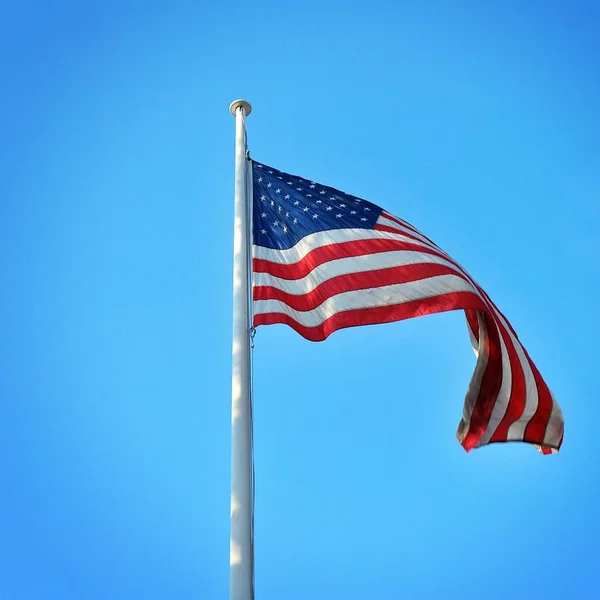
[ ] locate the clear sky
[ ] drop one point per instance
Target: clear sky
(478, 122)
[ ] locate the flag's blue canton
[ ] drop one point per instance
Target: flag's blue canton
(287, 208)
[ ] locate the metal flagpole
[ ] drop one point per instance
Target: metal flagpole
(241, 550)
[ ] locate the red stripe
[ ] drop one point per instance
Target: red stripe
(536, 428)
(387, 215)
(379, 314)
(352, 282)
(518, 390)
(488, 390)
(389, 229)
(324, 254)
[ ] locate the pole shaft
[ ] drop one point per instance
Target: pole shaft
(241, 555)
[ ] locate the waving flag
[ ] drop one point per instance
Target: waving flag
(323, 260)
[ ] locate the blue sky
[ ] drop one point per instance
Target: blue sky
(478, 124)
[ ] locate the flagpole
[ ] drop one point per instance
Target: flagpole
(241, 549)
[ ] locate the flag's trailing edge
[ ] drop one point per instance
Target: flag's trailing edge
(323, 260)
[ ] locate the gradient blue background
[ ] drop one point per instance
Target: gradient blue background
(477, 122)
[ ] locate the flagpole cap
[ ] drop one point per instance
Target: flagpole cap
(240, 104)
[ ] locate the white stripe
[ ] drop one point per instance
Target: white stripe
(323, 238)
(385, 220)
(396, 220)
(370, 298)
(388, 215)
(346, 266)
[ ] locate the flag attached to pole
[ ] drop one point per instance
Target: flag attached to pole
(323, 260)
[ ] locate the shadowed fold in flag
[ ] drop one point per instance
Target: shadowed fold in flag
(323, 260)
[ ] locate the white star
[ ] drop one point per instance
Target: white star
(342, 206)
(367, 208)
(263, 198)
(278, 190)
(363, 218)
(276, 223)
(263, 215)
(312, 186)
(269, 184)
(352, 212)
(299, 189)
(305, 209)
(272, 202)
(289, 182)
(319, 201)
(322, 192)
(332, 198)
(295, 221)
(263, 231)
(287, 196)
(279, 209)
(259, 166)
(280, 178)
(357, 199)
(284, 229)
(315, 216)
(287, 215)
(296, 202)
(338, 216)
(270, 172)
(260, 179)
(329, 208)
(309, 195)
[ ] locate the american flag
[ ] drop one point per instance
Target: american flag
(323, 260)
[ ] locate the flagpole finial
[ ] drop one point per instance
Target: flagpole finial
(240, 103)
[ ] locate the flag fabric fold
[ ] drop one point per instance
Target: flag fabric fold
(323, 260)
